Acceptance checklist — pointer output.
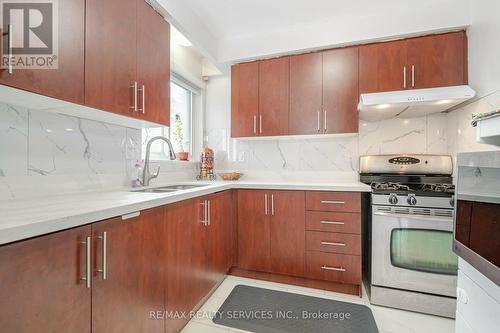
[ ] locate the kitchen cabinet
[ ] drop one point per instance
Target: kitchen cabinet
(274, 91)
(67, 81)
(153, 65)
(415, 63)
(127, 68)
(187, 280)
(42, 287)
(267, 227)
(306, 89)
(199, 245)
(382, 67)
(437, 60)
(128, 278)
(245, 99)
(254, 233)
(340, 91)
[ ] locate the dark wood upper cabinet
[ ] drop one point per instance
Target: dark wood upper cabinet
(245, 99)
(153, 65)
(67, 81)
(421, 62)
(42, 290)
(306, 88)
(134, 284)
(437, 60)
(340, 91)
(254, 230)
(382, 67)
(274, 96)
(288, 220)
(111, 55)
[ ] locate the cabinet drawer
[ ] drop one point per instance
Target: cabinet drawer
(347, 223)
(334, 267)
(334, 201)
(333, 242)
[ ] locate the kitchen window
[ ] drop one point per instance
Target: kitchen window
(182, 97)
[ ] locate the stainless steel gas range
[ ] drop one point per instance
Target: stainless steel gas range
(413, 266)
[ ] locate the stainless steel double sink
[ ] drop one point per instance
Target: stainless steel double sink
(170, 188)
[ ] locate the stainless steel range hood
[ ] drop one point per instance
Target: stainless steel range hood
(411, 103)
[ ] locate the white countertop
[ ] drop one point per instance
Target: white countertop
(25, 218)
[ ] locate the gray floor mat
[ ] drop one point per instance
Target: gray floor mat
(270, 311)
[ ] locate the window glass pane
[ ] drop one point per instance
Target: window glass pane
(423, 250)
(180, 118)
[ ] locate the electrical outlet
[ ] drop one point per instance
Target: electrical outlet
(241, 156)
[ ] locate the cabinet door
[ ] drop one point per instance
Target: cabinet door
(274, 89)
(382, 67)
(153, 64)
(42, 290)
(288, 224)
(110, 55)
(306, 88)
(438, 60)
(219, 236)
(134, 285)
(187, 278)
(340, 91)
(67, 81)
(253, 230)
(244, 99)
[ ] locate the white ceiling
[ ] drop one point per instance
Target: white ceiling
(245, 29)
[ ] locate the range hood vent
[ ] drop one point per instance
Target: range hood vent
(411, 103)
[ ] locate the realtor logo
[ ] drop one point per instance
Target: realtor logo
(29, 34)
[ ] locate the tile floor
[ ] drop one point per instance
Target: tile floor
(388, 320)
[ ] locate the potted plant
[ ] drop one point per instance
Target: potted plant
(179, 138)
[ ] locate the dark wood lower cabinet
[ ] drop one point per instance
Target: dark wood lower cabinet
(41, 288)
(134, 284)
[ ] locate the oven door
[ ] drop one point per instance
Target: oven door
(413, 252)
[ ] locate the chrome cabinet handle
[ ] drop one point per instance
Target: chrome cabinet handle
(332, 222)
(260, 124)
(333, 243)
(10, 69)
(413, 76)
(266, 209)
(209, 213)
(88, 263)
(143, 93)
(134, 87)
(104, 267)
(254, 124)
(337, 269)
(272, 204)
(324, 121)
(204, 217)
(319, 122)
(404, 77)
(330, 202)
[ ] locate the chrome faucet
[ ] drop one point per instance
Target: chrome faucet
(146, 175)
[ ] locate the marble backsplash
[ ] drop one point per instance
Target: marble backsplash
(328, 156)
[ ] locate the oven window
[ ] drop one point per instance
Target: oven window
(423, 250)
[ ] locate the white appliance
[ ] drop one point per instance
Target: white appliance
(411, 103)
(477, 242)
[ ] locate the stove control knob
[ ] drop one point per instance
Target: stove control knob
(452, 201)
(393, 199)
(412, 201)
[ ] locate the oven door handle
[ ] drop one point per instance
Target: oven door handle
(420, 217)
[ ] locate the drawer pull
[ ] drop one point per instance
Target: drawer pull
(332, 202)
(332, 222)
(332, 243)
(336, 269)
